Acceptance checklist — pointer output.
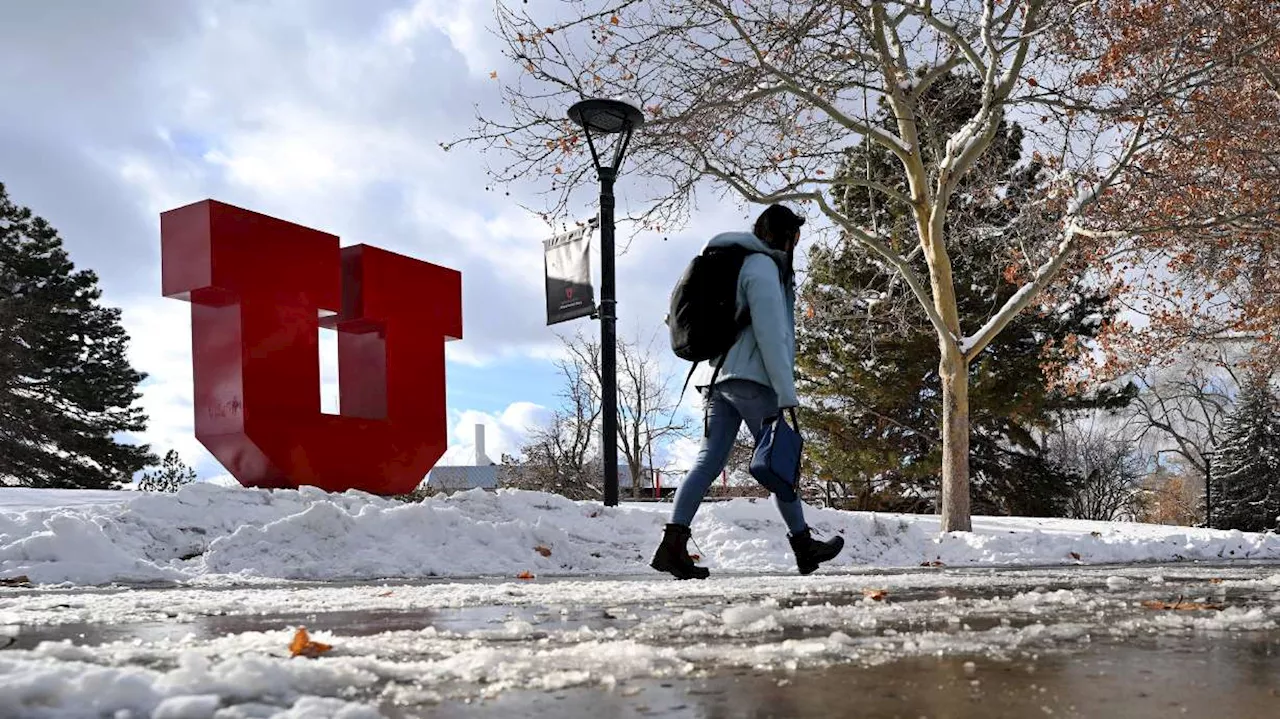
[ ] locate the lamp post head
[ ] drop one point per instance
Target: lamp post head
(603, 116)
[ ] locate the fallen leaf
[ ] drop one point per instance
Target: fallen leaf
(544, 551)
(1095, 534)
(303, 646)
(21, 580)
(493, 75)
(1075, 556)
(525, 575)
(595, 514)
(876, 595)
(934, 563)
(1216, 580)
(614, 20)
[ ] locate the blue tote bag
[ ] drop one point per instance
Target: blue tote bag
(776, 462)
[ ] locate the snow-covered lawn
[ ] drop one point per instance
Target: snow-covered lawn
(209, 534)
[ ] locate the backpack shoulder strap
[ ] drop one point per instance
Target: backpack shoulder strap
(744, 317)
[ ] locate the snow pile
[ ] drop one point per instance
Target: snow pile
(60, 680)
(213, 533)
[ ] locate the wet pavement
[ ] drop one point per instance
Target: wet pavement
(1131, 641)
(1231, 677)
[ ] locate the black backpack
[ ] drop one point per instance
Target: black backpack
(703, 320)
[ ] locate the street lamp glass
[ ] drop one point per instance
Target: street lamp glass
(606, 117)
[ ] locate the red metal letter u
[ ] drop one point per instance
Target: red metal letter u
(260, 288)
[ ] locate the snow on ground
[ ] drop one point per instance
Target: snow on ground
(221, 652)
(17, 499)
(213, 534)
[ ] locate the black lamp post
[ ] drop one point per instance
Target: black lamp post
(601, 117)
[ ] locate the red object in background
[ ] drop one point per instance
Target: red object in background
(260, 288)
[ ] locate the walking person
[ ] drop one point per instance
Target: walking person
(753, 381)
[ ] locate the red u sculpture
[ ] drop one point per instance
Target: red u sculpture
(260, 288)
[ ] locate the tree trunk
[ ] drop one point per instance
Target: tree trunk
(636, 468)
(954, 371)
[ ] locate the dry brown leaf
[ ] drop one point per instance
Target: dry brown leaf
(544, 551)
(934, 563)
(303, 646)
(614, 20)
(493, 75)
(876, 595)
(1075, 556)
(525, 575)
(21, 580)
(1216, 580)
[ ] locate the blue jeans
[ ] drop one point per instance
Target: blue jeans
(728, 405)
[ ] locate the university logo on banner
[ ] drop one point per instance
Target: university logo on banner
(568, 269)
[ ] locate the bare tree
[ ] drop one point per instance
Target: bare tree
(1108, 468)
(763, 99)
(563, 456)
(1181, 410)
(560, 456)
(646, 407)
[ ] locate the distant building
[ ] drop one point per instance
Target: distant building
(485, 474)
(481, 475)
(455, 479)
(659, 484)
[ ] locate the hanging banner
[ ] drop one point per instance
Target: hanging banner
(568, 270)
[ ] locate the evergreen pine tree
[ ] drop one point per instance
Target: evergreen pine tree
(171, 476)
(868, 356)
(66, 387)
(1246, 481)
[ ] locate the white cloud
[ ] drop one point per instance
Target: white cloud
(460, 20)
(326, 113)
(160, 342)
(505, 432)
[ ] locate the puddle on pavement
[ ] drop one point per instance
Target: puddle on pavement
(1211, 676)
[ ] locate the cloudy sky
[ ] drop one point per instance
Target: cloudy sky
(327, 113)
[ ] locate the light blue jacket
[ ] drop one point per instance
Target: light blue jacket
(766, 349)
